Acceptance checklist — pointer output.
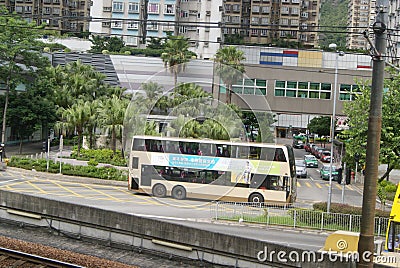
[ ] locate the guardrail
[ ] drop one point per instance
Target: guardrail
(291, 216)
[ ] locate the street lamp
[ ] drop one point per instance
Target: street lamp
(341, 53)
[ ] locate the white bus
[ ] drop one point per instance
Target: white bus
(212, 169)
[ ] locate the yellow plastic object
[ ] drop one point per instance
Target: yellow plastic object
(342, 241)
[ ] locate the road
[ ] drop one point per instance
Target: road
(118, 198)
(313, 189)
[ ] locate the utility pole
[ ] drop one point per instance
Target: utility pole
(366, 241)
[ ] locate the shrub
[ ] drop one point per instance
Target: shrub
(92, 162)
(347, 209)
(108, 173)
(105, 156)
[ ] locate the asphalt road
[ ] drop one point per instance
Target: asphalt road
(118, 198)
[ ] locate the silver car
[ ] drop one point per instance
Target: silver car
(301, 169)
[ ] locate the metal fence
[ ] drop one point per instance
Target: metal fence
(292, 216)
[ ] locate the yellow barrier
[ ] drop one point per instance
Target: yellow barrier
(342, 241)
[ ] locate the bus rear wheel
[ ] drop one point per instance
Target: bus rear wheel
(178, 192)
(159, 190)
(256, 198)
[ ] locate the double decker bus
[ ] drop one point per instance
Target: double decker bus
(393, 230)
(212, 169)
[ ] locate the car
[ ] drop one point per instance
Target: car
(318, 152)
(307, 147)
(301, 169)
(310, 160)
(298, 144)
(325, 172)
(325, 156)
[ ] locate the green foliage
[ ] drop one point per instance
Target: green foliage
(92, 162)
(230, 67)
(320, 125)
(333, 18)
(105, 156)
(21, 56)
(347, 209)
(102, 43)
(357, 112)
(106, 173)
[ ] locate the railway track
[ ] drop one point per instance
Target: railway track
(15, 259)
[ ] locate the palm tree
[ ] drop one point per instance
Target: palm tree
(176, 54)
(76, 118)
(111, 116)
(230, 68)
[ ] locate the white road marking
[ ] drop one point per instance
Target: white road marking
(9, 181)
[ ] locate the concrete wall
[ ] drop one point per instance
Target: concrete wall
(138, 232)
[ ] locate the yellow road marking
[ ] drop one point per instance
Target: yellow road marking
(68, 190)
(298, 184)
(338, 186)
(100, 192)
(308, 184)
(36, 187)
(318, 185)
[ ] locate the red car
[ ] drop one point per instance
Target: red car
(325, 156)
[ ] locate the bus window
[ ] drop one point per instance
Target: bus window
(240, 151)
(393, 245)
(206, 149)
(279, 155)
(171, 147)
(138, 145)
(267, 154)
(255, 153)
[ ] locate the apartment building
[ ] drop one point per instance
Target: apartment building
(137, 21)
(361, 16)
(393, 28)
(267, 21)
(61, 15)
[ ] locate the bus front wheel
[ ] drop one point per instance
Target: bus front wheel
(256, 198)
(159, 190)
(178, 192)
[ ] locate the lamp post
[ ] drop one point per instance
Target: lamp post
(333, 46)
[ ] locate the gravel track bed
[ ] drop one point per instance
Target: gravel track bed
(42, 242)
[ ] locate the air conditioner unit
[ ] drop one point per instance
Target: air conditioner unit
(208, 13)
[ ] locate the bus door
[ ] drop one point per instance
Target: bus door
(393, 237)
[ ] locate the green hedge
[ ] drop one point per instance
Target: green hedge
(105, 156)
(106, 173)
(347, 209)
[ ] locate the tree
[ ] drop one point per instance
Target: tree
(176, 54)
(76, 118)
(320, 125)
(230, 67)
(100, 43)
(20, 56)
(111, 116)
(357, 113)
(76, 80)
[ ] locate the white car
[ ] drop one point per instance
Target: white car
(301, 169)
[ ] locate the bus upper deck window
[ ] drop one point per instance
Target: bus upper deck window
(138, 145)
(279, 155)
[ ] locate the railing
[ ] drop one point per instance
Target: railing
(291, 216)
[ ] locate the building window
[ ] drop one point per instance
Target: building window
(348, 92)
(118, 7)
(169, 9)
(133, 25)
(116, 24)
(153, 8)
(250, 87)
(300, 89)
(131, 40)
(184, 14)
(133, 8)
(152, 26)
